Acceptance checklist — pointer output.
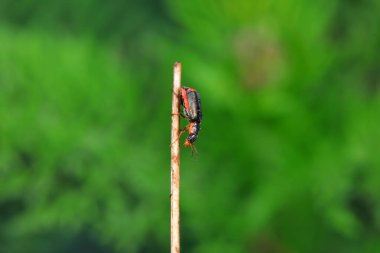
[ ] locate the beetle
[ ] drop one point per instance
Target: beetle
(192, 112)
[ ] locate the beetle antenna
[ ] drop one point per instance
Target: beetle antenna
(193, 150)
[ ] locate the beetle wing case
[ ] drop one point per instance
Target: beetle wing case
(191, 102)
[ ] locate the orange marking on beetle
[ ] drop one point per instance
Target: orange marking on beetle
(186, 102)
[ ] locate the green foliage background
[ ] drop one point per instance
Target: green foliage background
(288, 153)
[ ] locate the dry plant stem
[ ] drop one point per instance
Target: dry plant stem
(174, 194)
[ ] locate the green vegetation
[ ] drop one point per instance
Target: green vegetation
(288, 153)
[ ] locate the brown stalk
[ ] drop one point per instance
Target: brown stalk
(175, 162)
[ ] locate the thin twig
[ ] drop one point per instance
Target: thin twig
(174, 195)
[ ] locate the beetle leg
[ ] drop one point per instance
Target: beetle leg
(175, 92)
(186, 128)
(180, 114)
(183, 115)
